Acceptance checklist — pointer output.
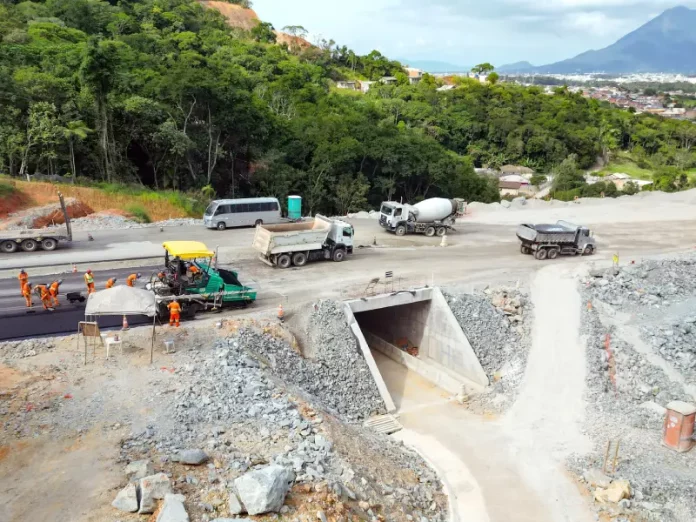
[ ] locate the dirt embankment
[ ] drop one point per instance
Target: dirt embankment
(237, 16)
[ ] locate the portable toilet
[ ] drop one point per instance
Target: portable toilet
(294, 207)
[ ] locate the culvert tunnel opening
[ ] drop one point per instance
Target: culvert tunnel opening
(416, 329)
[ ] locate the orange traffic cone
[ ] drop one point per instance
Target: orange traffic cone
(125, 323)
(281, 314)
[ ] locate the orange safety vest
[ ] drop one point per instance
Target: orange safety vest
(130, 280)
(89, 279)
(26, 290)
(43, 291)
(110, 283)
(174, 308)
(54, 288)
(23, 278)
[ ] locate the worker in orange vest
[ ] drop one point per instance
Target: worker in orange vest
(53, 291)
(45, 295)
(111, 282)
(23, 278)
(89, 281)
(130, 280)
(174, 313)
(26, 292)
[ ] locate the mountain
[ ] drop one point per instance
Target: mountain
(666, 43)
(433, 66)
(517, 67)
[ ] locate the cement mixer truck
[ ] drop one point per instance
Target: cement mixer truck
(434, 216)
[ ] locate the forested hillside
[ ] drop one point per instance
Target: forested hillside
(166, 94)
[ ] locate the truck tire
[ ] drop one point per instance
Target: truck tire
(29, 245)
(49, 244)
(221, 226)
(541, 254)
(258, 222)
(8, 247)
(553, 253)
(441, 231)
(525, 250)
(430, 231)
(589, 250)
(299, 259)
(284, 261)
(400, 230)
(339, 255)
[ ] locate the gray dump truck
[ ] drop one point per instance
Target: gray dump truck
(548, 241)
(33, 240)
(290, 244)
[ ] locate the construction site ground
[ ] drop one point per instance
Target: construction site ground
(521, 462)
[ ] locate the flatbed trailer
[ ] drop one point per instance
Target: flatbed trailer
(32, 240)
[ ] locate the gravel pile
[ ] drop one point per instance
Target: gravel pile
(676, 343)
(113, 221)
(26, 348)
(652, 283)
(231, 404)
(497, 324)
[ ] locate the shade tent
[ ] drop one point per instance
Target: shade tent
(123, 300)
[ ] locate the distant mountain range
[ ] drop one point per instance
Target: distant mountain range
(516, 68)
(666, 44)
(434, 66)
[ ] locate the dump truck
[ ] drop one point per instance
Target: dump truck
(191, 276)
(288, 244)
(434, 216)
(32, 240)
(548, 241)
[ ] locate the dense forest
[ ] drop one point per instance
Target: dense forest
(165, 94)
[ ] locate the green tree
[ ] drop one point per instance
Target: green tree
(351, 194)
(493, 78)
(568, 176)
(74, 131)
(264, 32)
(538, 179)
(483, 68)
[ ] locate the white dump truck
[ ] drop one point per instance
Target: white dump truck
(548, 241)
(431, 217)
(288, 244)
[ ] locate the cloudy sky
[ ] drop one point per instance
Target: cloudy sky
(467, 32)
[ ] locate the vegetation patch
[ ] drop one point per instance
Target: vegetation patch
(138, 213)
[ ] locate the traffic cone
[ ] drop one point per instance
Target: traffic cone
(443, 243)
(125, 323)
(281, 313)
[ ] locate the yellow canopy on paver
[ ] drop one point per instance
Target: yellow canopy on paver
(187, 249)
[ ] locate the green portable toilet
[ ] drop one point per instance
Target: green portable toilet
(294, 207)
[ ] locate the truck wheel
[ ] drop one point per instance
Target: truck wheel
(299, 259)
(29, 245)
(525, 250)
(8, 247)
(221, 226)
(284, 261)
(339, 255)
(400, 230)
(553, 253)
(589, 250)
(541, 254)
(441, 231)
(49, 244)
(430, 231)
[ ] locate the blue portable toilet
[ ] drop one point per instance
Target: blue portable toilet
(294, 207)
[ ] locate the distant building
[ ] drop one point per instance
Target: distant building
(414, 75)
(352, 85)
(365, 86)
(388, 80)
(446, 88)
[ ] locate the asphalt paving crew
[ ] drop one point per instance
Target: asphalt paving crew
(45, 295)
(23, 278)
(174, 313)
(111, 282)
(54, 289)
(26, 292)
(89, 281)
(130, 280)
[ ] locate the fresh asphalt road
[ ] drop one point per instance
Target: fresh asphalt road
(17, 321)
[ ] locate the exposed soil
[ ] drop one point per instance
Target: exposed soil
(13, 203)
(236, 15)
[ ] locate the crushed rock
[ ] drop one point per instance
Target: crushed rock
(10, 350)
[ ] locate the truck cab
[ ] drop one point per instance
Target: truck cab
(392, 214)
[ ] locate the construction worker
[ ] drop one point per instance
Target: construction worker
(130, 280)
(111, 282)
(89, 281)
(23, 278)
(53, 291)
(43, 292)
(26, 292)
(174, 313)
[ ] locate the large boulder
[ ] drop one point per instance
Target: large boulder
(194, 457)
(264, 490)
(173, 509)
(127, 499)
(152, 489)
(235, 506)
(139, 469)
